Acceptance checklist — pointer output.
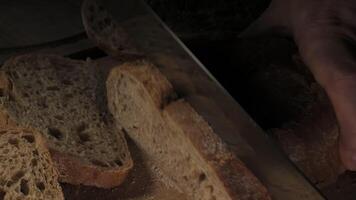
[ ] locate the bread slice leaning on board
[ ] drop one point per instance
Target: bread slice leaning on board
(65, 101)
(178, 140)
(26, 168)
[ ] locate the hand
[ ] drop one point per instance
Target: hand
(325, 32)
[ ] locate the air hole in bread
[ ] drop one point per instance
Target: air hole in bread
(210, 188)
(2, 194)
(42, 103)
(33, 162)
(59, 117)
(24, 187)
(99, 163)
(84, 137)
(68, 96)
(41, 186)
(17, 176)
(14, 141)
(25, 95)
(67, 82)
(52, 88)
(2, 92)
(82, 127)
(9, 183)
(118, 162)
(29, 138)
(202, 177)
(39, 82)
(35, 153)
(55, 133)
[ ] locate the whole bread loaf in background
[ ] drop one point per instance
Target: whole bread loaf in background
(26, 168)
(179, 142)
(311, 142)
(65, 101)
(283, 97)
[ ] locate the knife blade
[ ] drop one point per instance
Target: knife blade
(151, 37)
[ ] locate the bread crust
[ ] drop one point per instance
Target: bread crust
(73, 170)
(237, 181)
(223, 162)
(155, 83)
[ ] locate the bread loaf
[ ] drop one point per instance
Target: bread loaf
(311, 142)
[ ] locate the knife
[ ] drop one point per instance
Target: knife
(145, 35)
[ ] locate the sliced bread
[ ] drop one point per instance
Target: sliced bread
(65, 100)
(180, 143)
(104, 31)
(26, 168)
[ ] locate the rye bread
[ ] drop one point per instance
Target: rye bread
(26, 168)
(180, 143)
(65, 100)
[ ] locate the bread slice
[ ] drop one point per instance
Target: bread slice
(26, 168)
(311, 141)
(104, 31)
(179, 142)
(65, 100)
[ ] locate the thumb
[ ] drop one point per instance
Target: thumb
(334, 66)
(272, 21)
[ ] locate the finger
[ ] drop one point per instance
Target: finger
(334, 66)
(271, 21)
(328, 56)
